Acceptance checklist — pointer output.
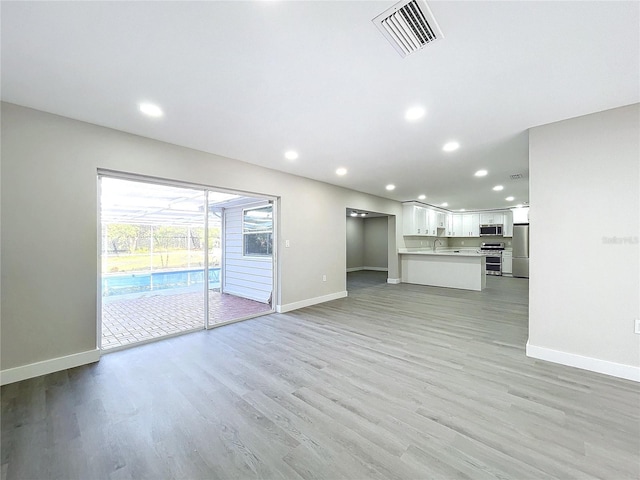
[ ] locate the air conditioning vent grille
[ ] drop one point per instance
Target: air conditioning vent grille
(516, 176)
(408, 26)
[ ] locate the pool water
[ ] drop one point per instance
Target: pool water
(122, 284)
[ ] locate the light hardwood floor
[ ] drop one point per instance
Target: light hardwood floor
(393, 382)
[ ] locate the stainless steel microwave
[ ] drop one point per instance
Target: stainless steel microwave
(488, 230)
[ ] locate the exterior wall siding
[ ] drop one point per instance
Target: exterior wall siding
(247, 277)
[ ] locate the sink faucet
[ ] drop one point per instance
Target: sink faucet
(435, 240)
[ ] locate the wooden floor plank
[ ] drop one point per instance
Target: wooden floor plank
(393, 381)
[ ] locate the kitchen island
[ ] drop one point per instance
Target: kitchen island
(450, 268)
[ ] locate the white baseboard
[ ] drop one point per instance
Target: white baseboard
(394, 281)
(628, 372)
(309, 301)
(374, 269)
(11, 375)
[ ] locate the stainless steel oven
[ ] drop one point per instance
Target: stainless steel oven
(493, 252)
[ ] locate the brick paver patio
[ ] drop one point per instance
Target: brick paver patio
(130, 320)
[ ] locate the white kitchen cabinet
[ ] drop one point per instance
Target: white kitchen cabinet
(470, 225)
(507, 262)
(491, 218)
(448, 231)
(507, 231)
(414, 220)
(431, 223)
(457, 227)
(520, 215)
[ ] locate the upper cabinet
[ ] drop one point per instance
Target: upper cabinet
(432, 222)
(520, 215)
(457, 228)
(414, 220)
(491, 218)
(507, 231)
(470, 225)
(448, 225)
(423, 221)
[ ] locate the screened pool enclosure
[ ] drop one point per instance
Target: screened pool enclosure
(177, 258)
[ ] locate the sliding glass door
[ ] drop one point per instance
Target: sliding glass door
(244, 282)
(152, 260)
(166, 252)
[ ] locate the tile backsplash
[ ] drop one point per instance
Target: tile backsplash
(472, 242)
(426, 242)
(476, 241)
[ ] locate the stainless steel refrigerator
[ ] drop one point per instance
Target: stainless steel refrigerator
(521, 250)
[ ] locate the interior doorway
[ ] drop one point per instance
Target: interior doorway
(171, 259)
(367, 245)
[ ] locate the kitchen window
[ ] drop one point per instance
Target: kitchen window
(257, 231)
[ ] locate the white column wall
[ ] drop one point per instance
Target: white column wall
(584, 258)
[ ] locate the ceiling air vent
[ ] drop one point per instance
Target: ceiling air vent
(516, 176)
(409, 26)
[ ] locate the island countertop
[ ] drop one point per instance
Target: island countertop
(464, 269)
(458, 253)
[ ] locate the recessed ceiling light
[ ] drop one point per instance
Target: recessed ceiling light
(150, 109)
(291, 155)
(497, 188)
(451, 146)
(354, 214)
(481, 173)
(341, 171)
(363, 214)
(445, 204)
(509, 199)
(390, 187)
(421, 197)
(414, 113)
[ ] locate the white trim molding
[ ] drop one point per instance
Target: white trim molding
(394, 281)
(373, 269)
(310, 301)
(11, 375)
(628, 372)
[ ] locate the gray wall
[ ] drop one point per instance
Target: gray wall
(375, 242)
(355, 243)
(585, 285)
(49, 242)
(367, 243)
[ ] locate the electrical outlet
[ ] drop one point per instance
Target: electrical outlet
(462, 242)
(286, 243)
(637, 327)
(324, 278)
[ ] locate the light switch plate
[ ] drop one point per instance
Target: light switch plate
(637, 327)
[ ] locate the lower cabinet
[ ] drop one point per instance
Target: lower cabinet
(507, 262)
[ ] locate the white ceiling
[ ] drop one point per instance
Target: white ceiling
(250, 80)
